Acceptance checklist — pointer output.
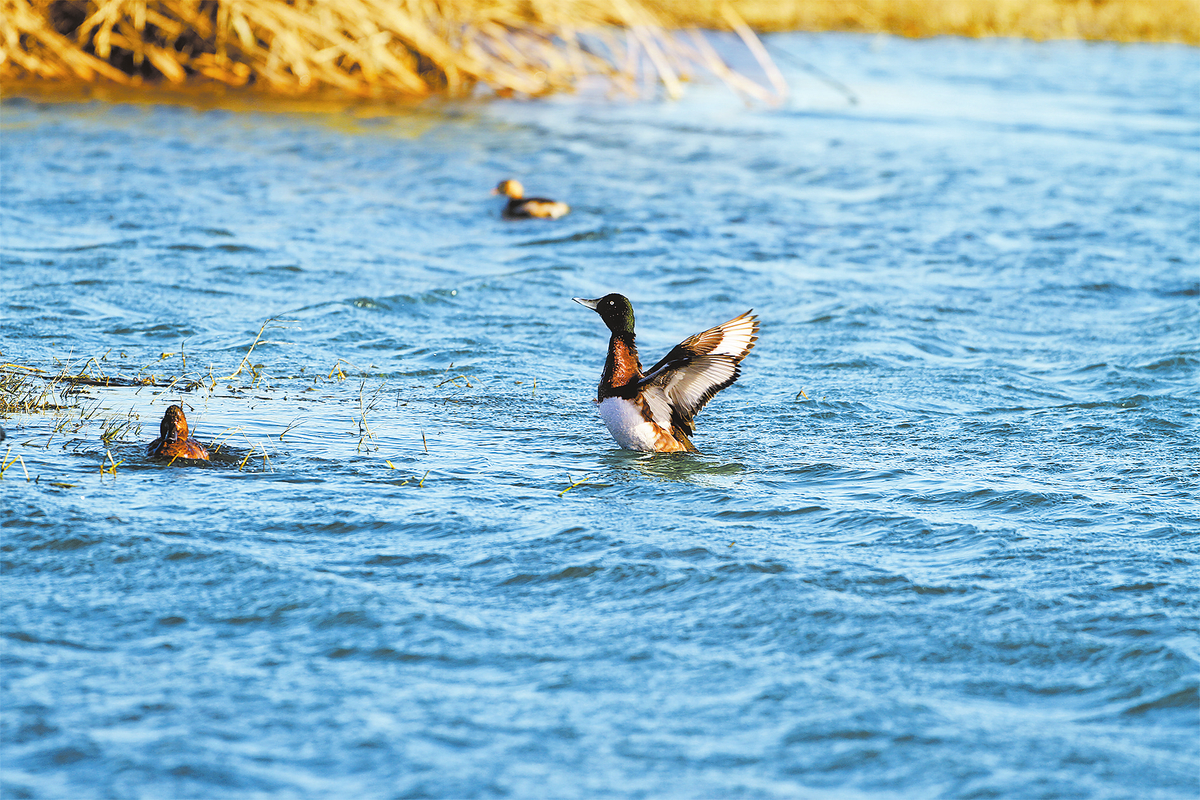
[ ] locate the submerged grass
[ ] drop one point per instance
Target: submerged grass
(6, 462)
(73, 394)
(27, 389)
(77, 396)
(365, 406)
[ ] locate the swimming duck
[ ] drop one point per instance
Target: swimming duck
(521, 207)
(173, 441)
(652, 411)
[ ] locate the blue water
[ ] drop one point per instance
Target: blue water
(941, 540)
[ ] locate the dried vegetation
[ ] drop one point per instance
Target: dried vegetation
(368, 48)
(25, 389)
(77, 396)
(390, 48)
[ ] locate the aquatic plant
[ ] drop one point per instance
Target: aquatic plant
(27, 389)
(7, 462)
(23, 389)
(117, 427)
(77, 392)
(365, 406)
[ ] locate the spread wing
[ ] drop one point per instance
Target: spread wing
(677, 387)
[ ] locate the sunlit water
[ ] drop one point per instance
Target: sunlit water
(941, 540)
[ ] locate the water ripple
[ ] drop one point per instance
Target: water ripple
(949, 508)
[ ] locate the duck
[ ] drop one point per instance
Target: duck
(654, 411)
(521, 207)
(173, 441)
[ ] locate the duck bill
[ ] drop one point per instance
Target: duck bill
(587, 303)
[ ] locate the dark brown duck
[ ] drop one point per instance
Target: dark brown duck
(174, 441)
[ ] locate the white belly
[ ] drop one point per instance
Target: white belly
(627, 426)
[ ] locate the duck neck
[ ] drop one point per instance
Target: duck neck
(622, 366)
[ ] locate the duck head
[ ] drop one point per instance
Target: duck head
(510, 188)
(614, 309)
(174, 425)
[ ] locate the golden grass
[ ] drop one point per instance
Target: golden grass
(22, 390)
(391, 48)
(369, 48)
(26, 389)
(5, 463)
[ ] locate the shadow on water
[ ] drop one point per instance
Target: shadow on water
(681, 467)
(132, 457)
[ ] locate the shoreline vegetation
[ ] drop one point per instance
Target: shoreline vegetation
(392, 49)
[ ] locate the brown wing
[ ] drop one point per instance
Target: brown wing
(734, 338)
(680, 385)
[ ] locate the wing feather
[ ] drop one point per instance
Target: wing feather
(659, 404)
(678, 387)
(734, 338)
(689, 388)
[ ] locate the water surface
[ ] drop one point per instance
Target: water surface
(941, 540)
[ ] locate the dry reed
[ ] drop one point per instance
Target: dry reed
(370, 48)
(388, 48)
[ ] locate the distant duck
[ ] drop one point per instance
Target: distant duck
(521, 207)
(652, 411)
(173, 441)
